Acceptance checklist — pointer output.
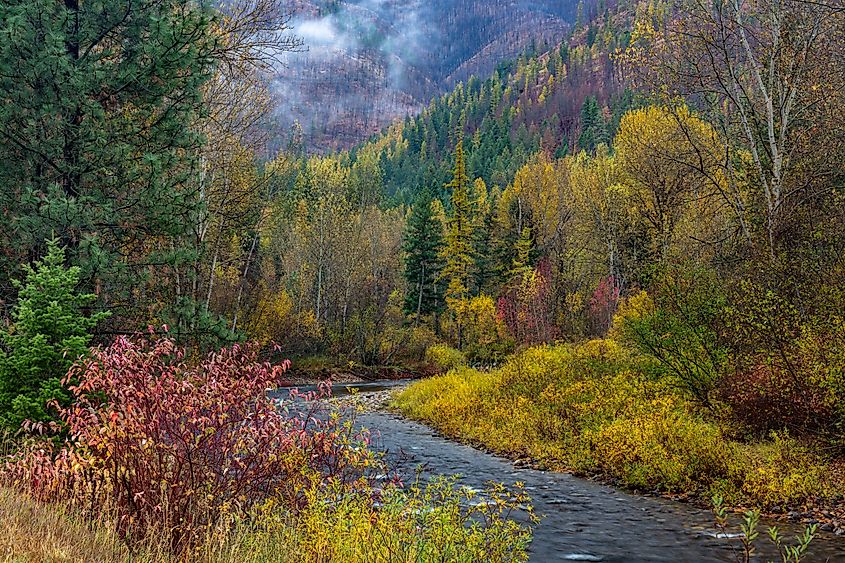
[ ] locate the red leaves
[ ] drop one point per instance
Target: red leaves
(527, 307)
(175, 445)
(603, 304)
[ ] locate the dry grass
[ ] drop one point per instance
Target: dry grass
(33, 531)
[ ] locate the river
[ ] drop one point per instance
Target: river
(581, 520)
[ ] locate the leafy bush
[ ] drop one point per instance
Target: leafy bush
(445, 358)
(782, 471)
(420, 340)
(484, 334)
(677, 325)
(765, 398)
(49, 333)
(590, 408)
(438, 521)
(789, 365)
(527, 306)
(175, 448)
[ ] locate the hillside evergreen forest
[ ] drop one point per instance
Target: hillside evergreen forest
(609, 236)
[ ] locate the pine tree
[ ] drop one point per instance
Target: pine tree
(593, 126)
(422, 245)
(49, 333)
(97, 136)
(458, 251)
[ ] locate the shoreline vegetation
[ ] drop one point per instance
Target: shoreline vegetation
(161, 459)
(592, 409)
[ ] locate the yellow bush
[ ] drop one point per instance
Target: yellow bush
(483, 334)
(634, 307)
(782, 472)
(445, 358)
(588, 408)
(274, 318)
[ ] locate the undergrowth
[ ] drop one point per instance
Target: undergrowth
(594, 408)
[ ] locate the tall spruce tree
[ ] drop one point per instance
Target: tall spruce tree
(593, 126)
(97, 137)
(422, 245)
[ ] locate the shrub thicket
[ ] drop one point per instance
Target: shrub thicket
(594, 408)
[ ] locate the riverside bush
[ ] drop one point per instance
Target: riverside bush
(181, 461)
(677, 325)
(176, 448)
(443, 357)
(436, 522)
(590, 408)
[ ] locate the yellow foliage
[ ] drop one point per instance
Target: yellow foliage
(481, 329)
(634, 307)
(274, 318)
(445, 358)
(672, 163)
(588, 408)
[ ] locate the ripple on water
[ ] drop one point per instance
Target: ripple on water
(582, 557)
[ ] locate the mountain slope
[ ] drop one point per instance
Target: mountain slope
(371, 61)
(535, 103)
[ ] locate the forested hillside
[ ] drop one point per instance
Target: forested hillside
(369, 62)
(559, 101)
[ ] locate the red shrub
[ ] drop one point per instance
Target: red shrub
(603, 304)
(763, 398)
(173, 447)
(527, 307)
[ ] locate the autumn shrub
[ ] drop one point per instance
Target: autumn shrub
(438, 521)
(171, 447)
(527, 305)
(678, 324)
(788, 365)
(764, 398)
(484, 335)
(274, 318)
(451, 401)
(444, 358)
(435, 521)
(595, 408)
(420, 340)
(603, 303)
(782, 471)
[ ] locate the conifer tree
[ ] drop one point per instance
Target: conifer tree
(422, 245)
(49, 333)
(458, 251)
(98, 135)
(593, 126)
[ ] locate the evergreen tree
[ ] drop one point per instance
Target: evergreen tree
(458, 251)
(422, 245)
(50, 332)
(522, 255)
(593, 126)
(97, 136)
(483, 202)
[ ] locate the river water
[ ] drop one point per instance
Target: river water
(580, 520)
